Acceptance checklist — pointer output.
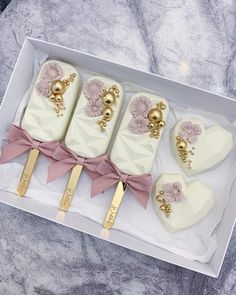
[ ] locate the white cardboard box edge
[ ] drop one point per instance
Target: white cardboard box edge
(7, 111)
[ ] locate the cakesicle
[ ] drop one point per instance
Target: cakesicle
(49, 110)
(198, 148)
(92, 126)
(135, 147)
(179, 204)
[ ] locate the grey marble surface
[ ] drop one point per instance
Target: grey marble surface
(192, 41)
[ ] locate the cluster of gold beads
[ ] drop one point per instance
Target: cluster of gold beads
(155, 118)
(58, 88)
(164, 206)
(183, 152)
(108, 98)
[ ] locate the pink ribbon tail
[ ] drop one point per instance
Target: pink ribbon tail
(140, 185)
(20, 141)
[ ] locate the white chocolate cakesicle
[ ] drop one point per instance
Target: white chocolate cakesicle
(134, 153)
(197, 148)
(84, 135)
(40, 118)
(189, 203)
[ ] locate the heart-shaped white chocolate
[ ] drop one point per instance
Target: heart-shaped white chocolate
(188, 205)
(197, 148)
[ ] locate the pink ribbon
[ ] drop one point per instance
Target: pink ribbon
(140, 185)
(66, 159)
(20, 141)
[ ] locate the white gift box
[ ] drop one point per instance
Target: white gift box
(183, 94)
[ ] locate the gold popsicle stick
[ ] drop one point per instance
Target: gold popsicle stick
(115, 204)
(27, 172)
(70, 187)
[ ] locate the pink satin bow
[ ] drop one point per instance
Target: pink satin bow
(140, 185)
(20, 141)
(66, 159)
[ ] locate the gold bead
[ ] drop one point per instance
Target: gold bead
(152, 125)
(163, 106)
(155, 115)
(159, 198)
(161, 193)
(162, 123)
(163, 207)
(58, 98)
(51, 97)
(108, 112)
(109, 98)
(182, 144)
(58, 87)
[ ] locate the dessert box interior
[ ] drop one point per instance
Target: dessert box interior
(176, 93)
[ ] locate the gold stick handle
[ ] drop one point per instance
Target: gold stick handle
(70, 188)
(115, 204)
(27, 172)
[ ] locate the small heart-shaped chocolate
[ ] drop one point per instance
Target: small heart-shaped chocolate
(180, 205)
(197, 148)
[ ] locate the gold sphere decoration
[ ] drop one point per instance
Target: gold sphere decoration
(58, 98)
(182, 144)
(58, 87)
(152, 125)
(162, 123)
(109, 98)
(108, 112)
(155, 115)
(51, 97)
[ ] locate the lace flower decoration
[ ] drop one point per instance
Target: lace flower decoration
(93, 89)
(52, 71)
(138, 125)
(140, 106)
(94, 108)
(173, 192)
(43, 88)
(189, 131)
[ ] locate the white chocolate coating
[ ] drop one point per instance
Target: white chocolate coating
(84, 135)
(134, 154)
(197, 202)
(211, 147)
(40, 118)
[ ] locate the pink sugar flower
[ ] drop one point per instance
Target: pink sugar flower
(173, 192)
(52, 71)
(43, 88)
(138, 125)
(140, 106)
(189, 131)
(93, 89)
(94, 108)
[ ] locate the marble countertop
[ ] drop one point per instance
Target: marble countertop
(191, 41)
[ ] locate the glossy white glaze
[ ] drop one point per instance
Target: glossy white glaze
(197, 202)
(84, 135)
(211, 147)
(134, 154)
(40, 118)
